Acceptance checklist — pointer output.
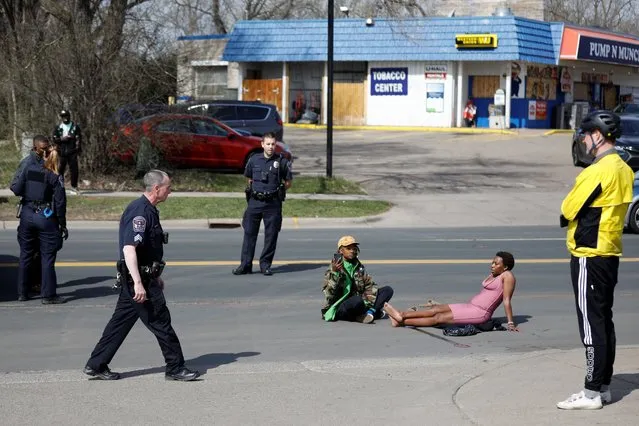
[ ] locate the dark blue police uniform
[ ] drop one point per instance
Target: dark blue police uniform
(140, 227)
(265, 203)
(42, 216)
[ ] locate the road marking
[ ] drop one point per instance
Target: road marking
(88, 264)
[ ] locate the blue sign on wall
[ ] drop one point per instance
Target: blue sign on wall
(389, 81)
(616, 52)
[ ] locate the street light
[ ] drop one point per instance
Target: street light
(329, 97)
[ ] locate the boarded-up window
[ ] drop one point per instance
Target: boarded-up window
(581, 91)
(211, 82)
(484, 86)
(541, 88)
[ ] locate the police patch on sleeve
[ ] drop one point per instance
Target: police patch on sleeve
(139, 224)
(137, 238)
(61, 180)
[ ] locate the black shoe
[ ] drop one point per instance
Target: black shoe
(266, 271)
(55, 300)
(242, 270)
(183, 375)
(105, 374)
(22, 298)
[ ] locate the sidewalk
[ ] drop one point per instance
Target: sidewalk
(496, 389)
(430, 210)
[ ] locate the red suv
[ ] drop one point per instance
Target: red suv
(190, 141)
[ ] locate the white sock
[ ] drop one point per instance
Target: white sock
(591, 394)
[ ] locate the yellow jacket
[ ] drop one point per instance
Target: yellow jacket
(595, 208)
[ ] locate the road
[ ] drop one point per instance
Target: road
(388, 163)
(277, 319)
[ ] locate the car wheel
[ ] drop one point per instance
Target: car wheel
(633, 219)
(575, 156)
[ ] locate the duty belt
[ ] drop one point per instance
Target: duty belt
(37, 206)
(264, 196)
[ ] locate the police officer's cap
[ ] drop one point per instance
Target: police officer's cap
(607, 122)
(346, 240)
(65, 113)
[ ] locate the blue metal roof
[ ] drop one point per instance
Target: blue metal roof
(415, 39)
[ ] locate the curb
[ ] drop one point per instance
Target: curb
(555, 131)
(407, 129)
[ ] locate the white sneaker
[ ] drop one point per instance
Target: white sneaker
(579, 401)
(606, 397)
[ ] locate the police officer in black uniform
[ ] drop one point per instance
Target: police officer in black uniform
(43, 225)
(269, 176)
(141, 286)
(68, 138)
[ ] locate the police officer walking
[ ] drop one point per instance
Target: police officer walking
(68, 138)
(42, 213)
(141, 242)
(269, 176)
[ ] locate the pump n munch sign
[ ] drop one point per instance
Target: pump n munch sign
(616, 52)
(389, 81)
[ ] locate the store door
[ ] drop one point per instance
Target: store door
(265, 91)
(610, 96)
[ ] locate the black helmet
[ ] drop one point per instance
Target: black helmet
(607, 122)
(65, 113)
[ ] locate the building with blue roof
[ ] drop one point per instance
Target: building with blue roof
(518, 72)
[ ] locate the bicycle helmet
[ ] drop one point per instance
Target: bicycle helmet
(607, 122)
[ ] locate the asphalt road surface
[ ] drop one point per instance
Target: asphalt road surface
(221, 318)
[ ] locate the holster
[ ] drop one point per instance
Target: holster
(247, 193)
(122, 274)
(281, 191)
(19, 210)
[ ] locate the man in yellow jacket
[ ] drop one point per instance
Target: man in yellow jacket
(594, 212)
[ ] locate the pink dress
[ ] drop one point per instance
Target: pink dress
(481, 307)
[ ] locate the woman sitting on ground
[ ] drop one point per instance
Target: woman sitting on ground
(497, 287)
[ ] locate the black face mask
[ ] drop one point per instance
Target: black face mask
(66, 120)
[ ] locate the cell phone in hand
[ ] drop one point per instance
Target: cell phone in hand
(337, 257)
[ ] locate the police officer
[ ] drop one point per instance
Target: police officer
(141, 242)
(265, 194)
(68, 138)
(42, 213)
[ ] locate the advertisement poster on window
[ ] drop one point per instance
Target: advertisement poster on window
(435, 97)
(532, 110)
(541, 110)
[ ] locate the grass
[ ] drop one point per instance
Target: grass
(122, 179)
(110, 208)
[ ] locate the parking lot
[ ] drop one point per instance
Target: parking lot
(392, 163)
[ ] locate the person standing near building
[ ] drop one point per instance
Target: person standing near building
(594, 212)
(140, 268)
(43, 225)
(269, 176)
(68, 138)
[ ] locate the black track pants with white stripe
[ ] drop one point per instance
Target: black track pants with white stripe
(594, 280)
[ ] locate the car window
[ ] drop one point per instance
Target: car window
(630, 127)
(222, 112)
(246, 112)
(631, 108)
(208, 128)
(174, 126)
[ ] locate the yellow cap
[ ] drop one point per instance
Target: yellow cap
(346, 240)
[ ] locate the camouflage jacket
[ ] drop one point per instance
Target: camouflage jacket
(335, 282)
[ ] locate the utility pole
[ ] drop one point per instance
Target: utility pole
(329, 107)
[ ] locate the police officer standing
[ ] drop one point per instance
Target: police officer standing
(43, 225)
(265, 194)
(141, 242)
(68, 138)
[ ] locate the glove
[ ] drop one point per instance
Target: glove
(64, 232)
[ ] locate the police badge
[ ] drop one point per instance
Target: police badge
(139, 224)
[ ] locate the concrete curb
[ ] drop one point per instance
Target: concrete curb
(407, 129)
(560, 131)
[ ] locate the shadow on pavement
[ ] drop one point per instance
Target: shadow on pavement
(88, 292)
(629, 383)
(8, 278)
(297, 267)
(202, 363)
(519, 319)
(87, 280)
